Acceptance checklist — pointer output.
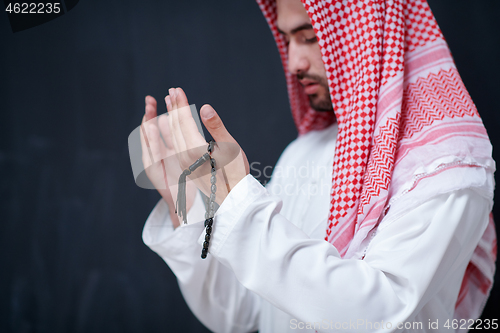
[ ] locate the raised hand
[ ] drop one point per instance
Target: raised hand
(160, 159)
(190, 145)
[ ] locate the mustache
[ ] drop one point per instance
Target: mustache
(312, 77)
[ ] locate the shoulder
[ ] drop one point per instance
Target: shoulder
(476, 184)
(309, 143)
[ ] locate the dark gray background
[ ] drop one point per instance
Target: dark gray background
(71, 217)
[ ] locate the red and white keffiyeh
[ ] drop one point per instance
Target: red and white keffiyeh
(403, 114)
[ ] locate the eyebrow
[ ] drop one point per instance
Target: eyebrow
(305, 26)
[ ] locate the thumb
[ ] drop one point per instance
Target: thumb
(214, 125)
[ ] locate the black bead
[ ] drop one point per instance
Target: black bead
(203, 253)
(209, 222)
(209, 230)
(205, 245)
(211, 145)
(207, 238)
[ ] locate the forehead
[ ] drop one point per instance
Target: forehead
(291, 14)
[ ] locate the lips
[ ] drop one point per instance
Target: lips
(310, 87)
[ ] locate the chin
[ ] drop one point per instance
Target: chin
(320, 103)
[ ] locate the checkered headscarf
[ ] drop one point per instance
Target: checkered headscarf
(395, 91)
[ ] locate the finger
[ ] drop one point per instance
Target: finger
(165, 131)
(153, 134)
(171, 122)
(214, 125)
(172, 93)
(168, 136)
(187, 125)
(180, 144)
(168, 101)
(180, 98)
(147, 156)
(150, 108)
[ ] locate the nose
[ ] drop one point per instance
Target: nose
(297, 60)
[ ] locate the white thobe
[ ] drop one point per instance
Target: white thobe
(269, 267)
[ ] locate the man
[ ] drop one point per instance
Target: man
(409, 245)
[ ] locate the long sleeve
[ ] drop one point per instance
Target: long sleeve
(409, 261)
(269, 268)
(210, 289)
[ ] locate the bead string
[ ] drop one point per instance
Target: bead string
(209, 215)
(180, 206)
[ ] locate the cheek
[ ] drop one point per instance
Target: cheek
(316, 59)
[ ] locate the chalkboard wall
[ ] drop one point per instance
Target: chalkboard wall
(71, 91)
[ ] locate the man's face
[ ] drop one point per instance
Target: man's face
(304, 55)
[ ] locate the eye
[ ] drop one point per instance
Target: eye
(311, 40)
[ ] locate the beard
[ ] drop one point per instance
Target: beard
(320, 101)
